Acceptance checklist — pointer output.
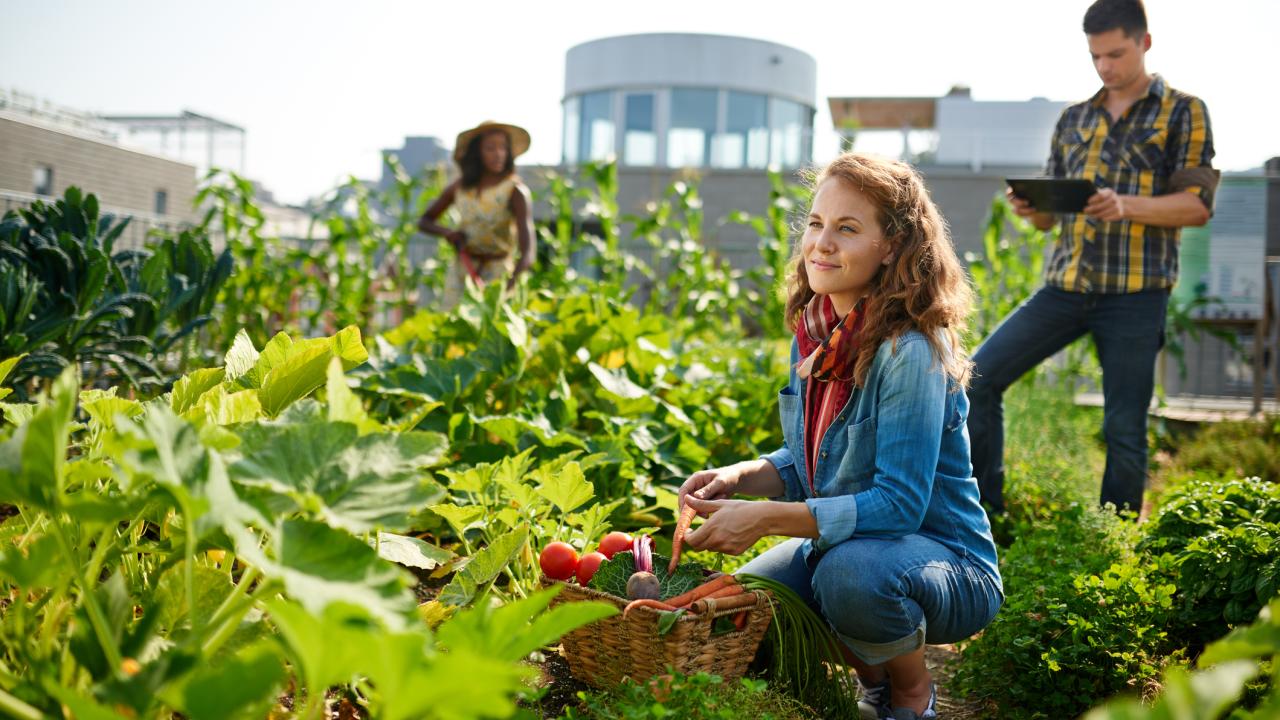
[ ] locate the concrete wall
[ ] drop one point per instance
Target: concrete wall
(721, 191)
(121, 178)
(963, 197)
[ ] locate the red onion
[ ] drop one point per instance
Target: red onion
(642, 549)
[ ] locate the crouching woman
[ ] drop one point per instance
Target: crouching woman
(873, 482)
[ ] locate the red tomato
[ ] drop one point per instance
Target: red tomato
(588, 565)
(615, 542)
(558, 560)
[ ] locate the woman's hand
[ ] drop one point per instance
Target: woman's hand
(732, 526)
(716, 484)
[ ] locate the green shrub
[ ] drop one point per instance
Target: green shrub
(1224, 539)
(68, 297)
(1237, 672)
(1083, 619)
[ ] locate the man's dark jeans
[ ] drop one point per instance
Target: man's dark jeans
(1128, 330)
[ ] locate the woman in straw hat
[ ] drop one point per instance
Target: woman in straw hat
(493, 207)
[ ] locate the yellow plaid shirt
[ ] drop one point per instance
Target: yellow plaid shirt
(1151, 150)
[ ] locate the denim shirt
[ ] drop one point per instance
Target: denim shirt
(895, 460)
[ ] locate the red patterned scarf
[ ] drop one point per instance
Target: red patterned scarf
(829, 346)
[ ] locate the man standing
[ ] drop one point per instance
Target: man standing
(1148, 149)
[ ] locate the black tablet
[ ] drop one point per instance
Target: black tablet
(1057, 195)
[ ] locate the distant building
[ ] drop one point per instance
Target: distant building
(44, 149)
(971, 146)
(681, 100)
(199, 140)
(668, 104)
(418, 154)
(145, 166)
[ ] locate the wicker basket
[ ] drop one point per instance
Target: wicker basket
(603, 653)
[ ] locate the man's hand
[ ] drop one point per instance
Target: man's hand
(1021, 208)
(456, 238)
(732, 526)
(1106, 205)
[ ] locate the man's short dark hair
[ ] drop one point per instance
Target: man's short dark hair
(1106, 15)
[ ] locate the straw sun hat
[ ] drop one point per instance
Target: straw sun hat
(518, 135)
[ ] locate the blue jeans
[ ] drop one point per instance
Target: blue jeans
(887, 597)
(1128, 330)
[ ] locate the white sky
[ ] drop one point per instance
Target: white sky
(323, 86)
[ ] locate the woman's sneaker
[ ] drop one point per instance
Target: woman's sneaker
(874, 701)
(930, 712)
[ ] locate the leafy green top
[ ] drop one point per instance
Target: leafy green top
(612, 575)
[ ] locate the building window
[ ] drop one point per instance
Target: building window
(572, 108)
(42, 180)
(596, 141)
(693, 124)
(639, 141)
(787, 145)
(745, 140)
(162, 202)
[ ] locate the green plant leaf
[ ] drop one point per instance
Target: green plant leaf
(304, 367)
(1203, 694)
(17, 414)
(1256, 641)
(331, 645)
(211, 587)
(348, 348)
(352, 482)
(36, 568)
(82, 708)
(220, 407)
(344, 406)
(187, 391)
(411, 551)
(567, 489)
(243, 685)
(33, 461)
(321, 566)
(294, 378)
(511, 429)
(594, 521)
(168, 450)
(241, 358)
(102, 407)
(273, 353)
(616, 382)
(7, 365)
(514, 630)
(460, 518)
(413, 683)
(483, 567)
(612, 575)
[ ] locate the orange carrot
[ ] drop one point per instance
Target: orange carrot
(646, 602)
(740, 620)
(682, 527)
(703, 590)
(725, 592)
